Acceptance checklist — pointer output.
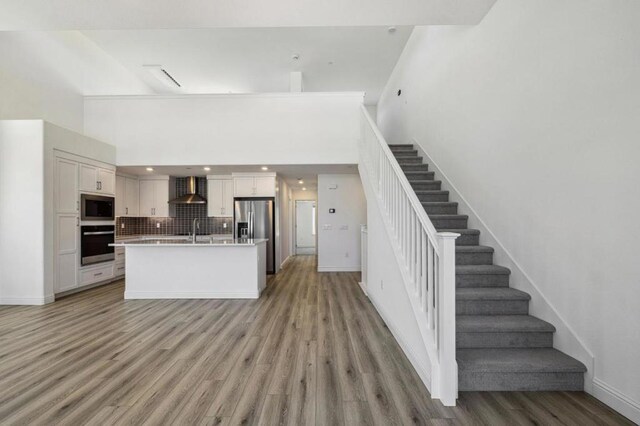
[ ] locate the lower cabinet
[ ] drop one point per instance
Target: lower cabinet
(96, 274)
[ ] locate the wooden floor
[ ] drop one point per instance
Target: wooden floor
(311, 350)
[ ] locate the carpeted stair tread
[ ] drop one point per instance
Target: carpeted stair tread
(449, 216)
(419, 175)
(400, 146)
(502, 324)
(517, 360)
(481, 269)
(488, 293)
(405, 153)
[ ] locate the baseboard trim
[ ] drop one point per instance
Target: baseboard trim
(285, 261)
(27, 301)
(363, 287)
(406, 347)
(616, 400)
(339, 269)
(190, 295)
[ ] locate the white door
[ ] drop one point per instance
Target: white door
(132, 190)
(305, 227)
(121, 196)
(147, 197)
(215, 194)
(68, 254)
(106, 181)
(227, 198)
(265, 186)
(66, 186)
(161, 189)
(88, 178)
(244, 186)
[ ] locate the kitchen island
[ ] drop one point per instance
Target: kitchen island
(164, 268)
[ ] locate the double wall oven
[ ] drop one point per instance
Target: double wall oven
(96, 235)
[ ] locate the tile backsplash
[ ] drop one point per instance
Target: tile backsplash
(182, 222)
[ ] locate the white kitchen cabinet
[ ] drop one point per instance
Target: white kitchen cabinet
(265, 186)
(120, 196)
(67, 252)
(255, 185)
(66, 186)
(97, 179)
(154, 197)
(127, 196)
(96, 274)
(131, 196)
(220, 192)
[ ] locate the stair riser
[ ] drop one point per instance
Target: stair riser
(415, 167)
(474, 258)
(419, 176)
(441, 209)
(405, 153)
(453, 223)
(468, 240)
(492, 307)
(432, 198)
(409, 160)
(429, 186)
(482, 280)
(520, 381)
(504, 340)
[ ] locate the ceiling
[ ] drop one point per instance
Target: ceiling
(291, 173)
(172, 14)
(259, 60)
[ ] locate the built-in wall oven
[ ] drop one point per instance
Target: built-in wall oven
(94, 243)
(97, 207)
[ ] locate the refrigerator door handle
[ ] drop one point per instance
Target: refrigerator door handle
(251, 224)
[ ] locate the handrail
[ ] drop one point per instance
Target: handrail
(426, 257)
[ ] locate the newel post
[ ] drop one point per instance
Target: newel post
(447, 317)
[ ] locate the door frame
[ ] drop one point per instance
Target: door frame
(295, 225)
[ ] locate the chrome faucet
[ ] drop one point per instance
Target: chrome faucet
(196, 225)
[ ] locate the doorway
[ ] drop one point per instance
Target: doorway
(305, 227)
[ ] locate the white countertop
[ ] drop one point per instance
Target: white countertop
(171, 237)
(202, 241)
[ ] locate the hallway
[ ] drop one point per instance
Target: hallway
(311, 350)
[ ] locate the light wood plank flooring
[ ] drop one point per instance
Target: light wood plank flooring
(311, 350)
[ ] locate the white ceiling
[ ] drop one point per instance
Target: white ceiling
(259, 60)
(290, 173)
(156, 14)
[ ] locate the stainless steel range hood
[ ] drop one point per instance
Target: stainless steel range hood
(191, 197)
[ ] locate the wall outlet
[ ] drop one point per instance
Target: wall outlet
(346, 254)
(381, 285)
(224, 225)
(122, 225)
(158, 225)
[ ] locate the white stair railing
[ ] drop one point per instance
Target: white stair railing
(426, 257)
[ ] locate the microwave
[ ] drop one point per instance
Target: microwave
(97, 207)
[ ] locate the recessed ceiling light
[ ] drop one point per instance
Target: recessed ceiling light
(207, 169)
(149, 169)
(391, 30)
(295, 57)
(265, 168)
(304, 189)
(300, 181)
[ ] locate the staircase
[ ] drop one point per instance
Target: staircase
(499, 346)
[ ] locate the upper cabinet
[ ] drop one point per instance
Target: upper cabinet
(66, 188)
(220, 196)
(127, 196)
(97, 179)
(154, 197)
(259, 185)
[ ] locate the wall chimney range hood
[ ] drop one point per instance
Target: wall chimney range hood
(191, 197)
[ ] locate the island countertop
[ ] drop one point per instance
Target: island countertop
(185, 242)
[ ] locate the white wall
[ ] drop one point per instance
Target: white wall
(294, 128)
(21, 212)
(26, 204)
(533, 116)
(339, 233)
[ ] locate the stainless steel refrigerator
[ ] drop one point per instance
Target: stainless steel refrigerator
(254, 218)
